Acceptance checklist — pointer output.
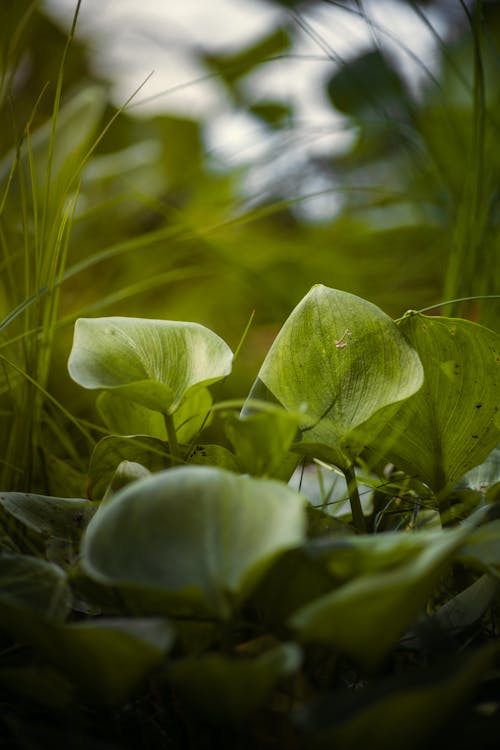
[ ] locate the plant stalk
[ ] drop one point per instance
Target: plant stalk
(173, 445)
(356, 509)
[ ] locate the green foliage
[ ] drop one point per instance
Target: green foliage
(320, 568)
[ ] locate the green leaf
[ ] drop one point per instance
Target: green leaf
(60, 517)
(204, 454)
(125, 417)
(340, 360)
(151, 362)
(32, 593)
(40, 684)
(365, 616)
(261, 441)
(107, 658)
(228, 689)
(192, 539)
(453, 423)
(481, 549)
(112, 451)
(403, 712)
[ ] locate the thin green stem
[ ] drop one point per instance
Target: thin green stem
(173, 445)
(353, 492)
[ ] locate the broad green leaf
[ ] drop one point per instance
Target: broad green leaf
(467, 607)
(39, 684)
(276, 600)
(192, 539)
(228, 689)
(151, 362)
(403, 712)
(365, 616)
(60, 517)
(204, 454)
(453, 422)
(125, 417)
(261, 441)
(33, 594)
(112, 451)
(340, 360)
(482, 548)
(107, 658)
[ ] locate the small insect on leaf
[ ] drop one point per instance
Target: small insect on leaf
(342, 343)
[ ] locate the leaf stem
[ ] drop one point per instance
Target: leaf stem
(173, 445)
(356, 509)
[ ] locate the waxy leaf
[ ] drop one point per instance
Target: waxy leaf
(340, 360)
(151, 362)
(453, 422)
(113, 450)
(365, 616)
(33, 587)
(400, 712)
(50, 517)
(228, 689)
(191, 539)
(262, 440)
(125, 417)
(108, 658)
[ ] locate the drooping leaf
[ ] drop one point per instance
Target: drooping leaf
(43, 685)
(152, 362)
(107, 658)
(453, 422)
(341, 361)
(33, 593)
(228, 690)
(50, 517)
(481, 550)
(405, 711)
(111, 451)
(364, 617)
(206, 454)
(261, 441)
(191, 539)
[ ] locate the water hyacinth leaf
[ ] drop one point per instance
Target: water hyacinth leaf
(261, 441)
(43, 685)
(403, 712)
(228, 690)
(481, 550)
(33, 593)
(348, 557)
(108, 658)
(151, 362)
(125, 417)
(126, 472)
(192, 539)
(364, 617)
(112, 451)
(453, 423)
(341, 360)
(50, 517)
(204, 454)
(484, 477)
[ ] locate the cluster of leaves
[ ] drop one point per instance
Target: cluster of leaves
(197, 589)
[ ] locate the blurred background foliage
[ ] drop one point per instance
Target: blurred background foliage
(113, 212)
